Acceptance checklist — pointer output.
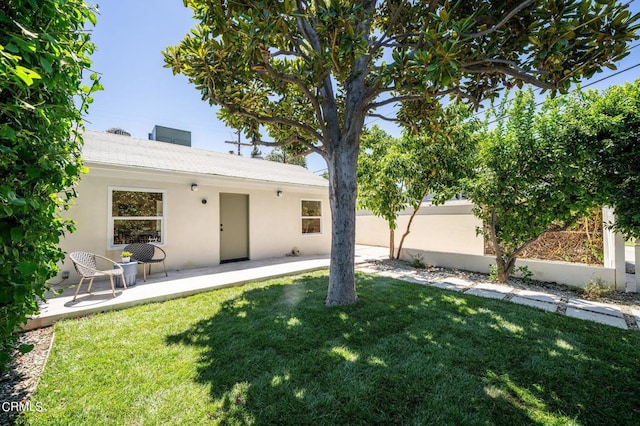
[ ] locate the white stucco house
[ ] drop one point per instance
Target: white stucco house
(202, 207)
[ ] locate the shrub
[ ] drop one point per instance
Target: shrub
(44, 50)
(596, 289)
(417, 261)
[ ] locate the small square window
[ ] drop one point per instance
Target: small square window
(311, 217)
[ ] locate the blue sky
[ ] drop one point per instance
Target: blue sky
(139, 93)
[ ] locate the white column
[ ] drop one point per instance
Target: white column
(614, 250)
(637, 265)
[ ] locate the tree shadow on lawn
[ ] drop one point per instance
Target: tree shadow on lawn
(407, 353)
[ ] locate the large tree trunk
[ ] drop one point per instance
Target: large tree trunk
(342, 147)
(342, 164)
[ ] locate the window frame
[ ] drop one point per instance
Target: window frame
(111, 219)
(302, 217)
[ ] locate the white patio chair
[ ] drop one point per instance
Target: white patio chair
(86, 264)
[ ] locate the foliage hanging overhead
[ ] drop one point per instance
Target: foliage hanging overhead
(310, 72)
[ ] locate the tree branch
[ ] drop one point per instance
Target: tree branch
(527, 243)
(507, 62)
(287, 53)
(393, 120)
(233, 109)
(394, 99)
(404, 98)
(527, 78)
(292, 140)
(384, 117)
(504, 20)
(330, 110)
(382, 42)
(297, 82)
(416, 208)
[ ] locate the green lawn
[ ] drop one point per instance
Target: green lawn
(272, 353)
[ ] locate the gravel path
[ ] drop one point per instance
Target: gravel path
(435, 273)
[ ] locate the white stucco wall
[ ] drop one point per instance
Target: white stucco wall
(446, 228)
(191, 234)
(446, 236)
(276, 224)
(573, 274)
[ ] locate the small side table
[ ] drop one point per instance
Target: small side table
(130, 272)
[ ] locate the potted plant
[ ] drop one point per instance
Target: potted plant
(125, 256)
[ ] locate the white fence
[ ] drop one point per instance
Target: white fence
(446, 236)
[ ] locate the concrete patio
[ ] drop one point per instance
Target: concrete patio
(178, 284)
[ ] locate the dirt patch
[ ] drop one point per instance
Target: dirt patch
(582, 243)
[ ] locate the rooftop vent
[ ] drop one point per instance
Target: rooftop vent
(167, 134)
(118, 131)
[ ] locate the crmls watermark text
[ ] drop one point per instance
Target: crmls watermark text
(19, 406)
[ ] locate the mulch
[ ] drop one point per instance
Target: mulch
(19, 382)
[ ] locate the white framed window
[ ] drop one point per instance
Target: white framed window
(136, 216)
(311, 216)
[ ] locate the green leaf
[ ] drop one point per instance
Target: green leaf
(46, 64)
(12, 48)
(34, 172)
(17, 234)
(92, 18)
(25, 348)
(27, 75)
(27, 268)
(16, 201)
(6, 132)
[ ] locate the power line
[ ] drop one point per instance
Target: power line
(238, 142)
(612, 75)
(586, 85)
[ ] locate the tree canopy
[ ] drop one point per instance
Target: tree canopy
(310, 72)
(607, 124)
(533, 175)
(619, 161)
